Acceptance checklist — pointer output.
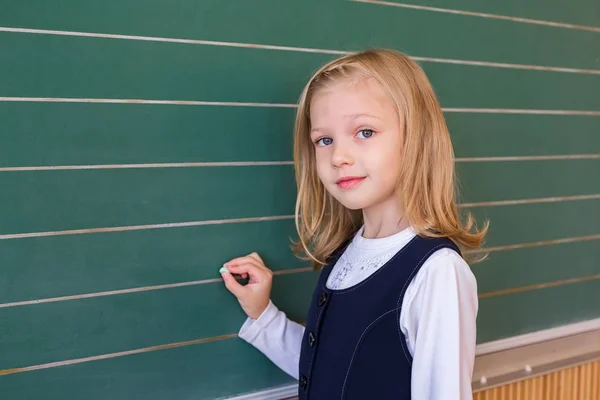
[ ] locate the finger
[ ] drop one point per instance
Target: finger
(254, 273)
(232, 284)
(253, 270)
(244, 260)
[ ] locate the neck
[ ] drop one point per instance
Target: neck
(384, 219)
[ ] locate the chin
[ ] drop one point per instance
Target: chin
(352, 201)
(352, 205)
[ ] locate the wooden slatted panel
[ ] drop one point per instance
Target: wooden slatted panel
(581, 382)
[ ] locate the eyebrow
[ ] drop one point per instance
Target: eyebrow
(351, 116)
(354, 116)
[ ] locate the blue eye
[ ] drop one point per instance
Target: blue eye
(324, 141)
(365, 133)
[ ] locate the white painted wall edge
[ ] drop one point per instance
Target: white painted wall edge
(483, 348)
(537, 337)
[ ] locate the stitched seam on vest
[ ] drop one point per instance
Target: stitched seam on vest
(343, 291)
(398, 305)
(357, 345)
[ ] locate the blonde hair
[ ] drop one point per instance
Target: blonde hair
(427, 176)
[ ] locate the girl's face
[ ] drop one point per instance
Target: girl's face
(357, 136)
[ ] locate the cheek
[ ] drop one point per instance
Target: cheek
(322, 163)
(387, 161)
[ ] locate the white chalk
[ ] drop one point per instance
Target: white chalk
(527, 368)
(483, 380)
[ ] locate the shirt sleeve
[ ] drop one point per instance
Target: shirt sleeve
(438, 318)
(277, 337)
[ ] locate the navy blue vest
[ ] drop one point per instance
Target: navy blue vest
(353, 347)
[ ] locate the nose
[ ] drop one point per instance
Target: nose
(341, 155)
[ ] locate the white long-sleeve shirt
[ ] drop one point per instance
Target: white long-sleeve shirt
(438, 317)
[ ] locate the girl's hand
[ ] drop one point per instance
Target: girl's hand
(255, 295)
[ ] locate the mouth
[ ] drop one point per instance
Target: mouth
(350, 182)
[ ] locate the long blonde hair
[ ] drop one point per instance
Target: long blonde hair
(426, 187)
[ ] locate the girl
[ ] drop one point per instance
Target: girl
(393, 314)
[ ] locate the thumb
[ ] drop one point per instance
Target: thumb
(231, 283)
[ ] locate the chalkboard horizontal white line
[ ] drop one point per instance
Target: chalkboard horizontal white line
(144, 227)
(276, 163)
(535, 244)
(530, 158)
(114, 355)
(144, 101)
(483, 15)
(172, 40)
(281, 105)
(286, 272)
(11, 371)
(149, 165)
(506, 65)
(477, 63)
(135, 290)
(557, 199)
(590, 113)
(10, 236)
(538, 286)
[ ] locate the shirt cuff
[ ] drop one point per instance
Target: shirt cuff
(252, 327)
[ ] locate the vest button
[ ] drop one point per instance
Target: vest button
(303, 382)
(322, 299)
(311, 339)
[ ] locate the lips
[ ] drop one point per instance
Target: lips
(350, 182)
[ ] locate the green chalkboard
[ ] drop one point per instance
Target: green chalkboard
(144, 144)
